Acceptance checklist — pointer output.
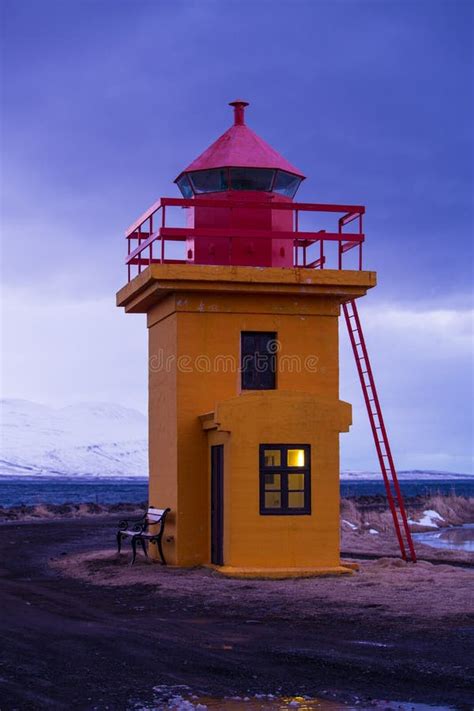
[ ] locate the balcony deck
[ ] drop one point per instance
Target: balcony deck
(158, 280)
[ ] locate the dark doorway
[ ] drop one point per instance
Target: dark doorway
(217, 504)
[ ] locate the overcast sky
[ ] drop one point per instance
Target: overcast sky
(104, 102)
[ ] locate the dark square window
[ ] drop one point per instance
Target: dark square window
(285, 479)
(258, 360)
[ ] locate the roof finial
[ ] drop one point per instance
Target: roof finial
(239, 109)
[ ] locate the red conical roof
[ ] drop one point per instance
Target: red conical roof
(239, 147)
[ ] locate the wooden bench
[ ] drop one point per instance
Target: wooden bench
(139, 531)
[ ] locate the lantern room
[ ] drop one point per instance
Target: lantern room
(240, 168)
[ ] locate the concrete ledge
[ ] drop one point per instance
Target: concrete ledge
(350, 564)
(281, 573)
(159, 280)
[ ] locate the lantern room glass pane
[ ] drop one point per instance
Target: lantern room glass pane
(251, 178)
(185, 186)
(272, 457)
(209, 181)
(296, 458)
(286, 184)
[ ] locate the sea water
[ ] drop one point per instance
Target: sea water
(458, 538)
(28, 491)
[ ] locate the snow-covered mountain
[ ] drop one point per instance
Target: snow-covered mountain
(417, 474)
(89, 439)
(96, 439)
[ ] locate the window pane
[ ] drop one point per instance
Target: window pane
(296, 458)
(295, 481)
(185, 186)
(272, 500)
(296, 500)
(272, 457)
(209, 181)
(272, 481)
(286, 183)
(251, 178)
(258, 360)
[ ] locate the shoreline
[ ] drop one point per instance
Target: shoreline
(366, 525)
(29, 491)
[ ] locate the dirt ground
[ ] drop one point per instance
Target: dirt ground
(387, 584)
(82, 630)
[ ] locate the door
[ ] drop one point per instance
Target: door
(217, 504)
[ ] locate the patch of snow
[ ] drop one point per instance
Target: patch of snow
(178, 703)
(373, 531)
(171, 697)
(351, 525)
(428, 519)
(433, 514)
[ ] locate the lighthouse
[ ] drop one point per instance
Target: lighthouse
(243, 291)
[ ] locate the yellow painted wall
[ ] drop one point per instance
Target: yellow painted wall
(163, 425)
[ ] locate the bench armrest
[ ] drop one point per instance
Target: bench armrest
(142, 524)
(138, 525)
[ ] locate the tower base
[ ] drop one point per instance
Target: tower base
(283, 573)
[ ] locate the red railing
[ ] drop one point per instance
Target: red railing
(148, 237)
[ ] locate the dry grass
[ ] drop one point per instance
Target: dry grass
(455, 511)
(55, 511)
(391, 586)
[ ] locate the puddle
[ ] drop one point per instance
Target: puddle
(181, 698)
(456, 538)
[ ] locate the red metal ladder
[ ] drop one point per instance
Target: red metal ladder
(382, 445)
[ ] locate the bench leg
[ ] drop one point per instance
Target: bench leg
(160, 549)
(119, 542)
(134, 550)
(143, 544)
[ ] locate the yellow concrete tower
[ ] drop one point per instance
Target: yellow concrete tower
(244, 409)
